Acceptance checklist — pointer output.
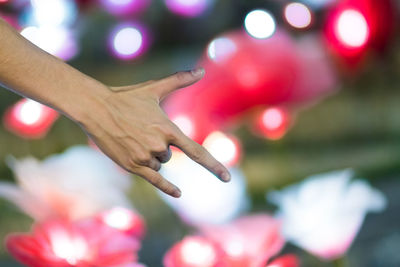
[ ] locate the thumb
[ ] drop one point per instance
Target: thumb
(179, 80)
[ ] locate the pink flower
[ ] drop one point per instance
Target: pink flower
(87, 243)
(124, 220)
(247, 242)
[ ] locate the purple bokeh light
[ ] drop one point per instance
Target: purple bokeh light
(128, 41)
(125, 7)
(188, 8)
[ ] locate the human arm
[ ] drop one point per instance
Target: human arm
(126, 123)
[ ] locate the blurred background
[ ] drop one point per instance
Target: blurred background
(293, 88)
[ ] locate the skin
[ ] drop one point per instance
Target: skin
(127, 123)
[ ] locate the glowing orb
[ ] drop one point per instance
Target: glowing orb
(30, 119)
(260, 24)
(188, 8)
(57, 41)
(128, 42)
(352, 28)
(220, 49)
(124, 7)
(224, 148)
(298, 15)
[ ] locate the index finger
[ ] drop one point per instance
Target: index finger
(199, 154)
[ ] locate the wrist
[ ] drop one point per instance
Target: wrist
(87, 103)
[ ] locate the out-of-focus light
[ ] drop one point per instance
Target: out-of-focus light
(124, 7)
(54, 13)
(260, 24)
(124, 220)
(188, 8)
(223, 201)
(56, 41)
(67, 247)
(352, 28)
(273, 118)
(119, 218)
(273, 123)
(128, 42)
(194, 251)
(298, 15)
(29, 118)
(3, 1)
(198, 252)
(185, 124)
(224, 148)
(220, 49)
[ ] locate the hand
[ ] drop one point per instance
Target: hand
(133, 130)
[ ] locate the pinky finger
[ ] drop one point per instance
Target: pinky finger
(158, 181)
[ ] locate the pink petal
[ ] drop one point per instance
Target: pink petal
(250, 240)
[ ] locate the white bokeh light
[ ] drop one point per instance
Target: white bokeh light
(53, 13)
(220, 49)
(298, 15)
(198, 253)
(29, 112)
(57, 41)
(119, 218)
(67, 247)
(352, 28)
(260, 24)
(224, 201)
(128, 41)
(224, 148)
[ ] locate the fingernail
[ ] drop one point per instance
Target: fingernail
(177, 193)
(198, 72)
(226, 176)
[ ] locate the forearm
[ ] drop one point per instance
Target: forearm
(33, 73)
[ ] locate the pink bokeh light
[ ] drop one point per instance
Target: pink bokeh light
(188, 8)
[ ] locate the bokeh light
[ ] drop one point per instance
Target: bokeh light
(224, 148)
(57, 41)
(224, 201)
(68, 247)
(185, 124)
(188, 8)
(128, 41)
(53, 13)
(29, 118)
(221, 49)
(273, 123)
(124, 7)
(352, 28)
(298, 15)
(260, 24)
(193, 251)
(125, 220)
(198, 252)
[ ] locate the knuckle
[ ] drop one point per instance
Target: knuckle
(169, 131)
(143, 158)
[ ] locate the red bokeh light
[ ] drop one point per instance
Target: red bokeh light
(29, 119)
(273, 123)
